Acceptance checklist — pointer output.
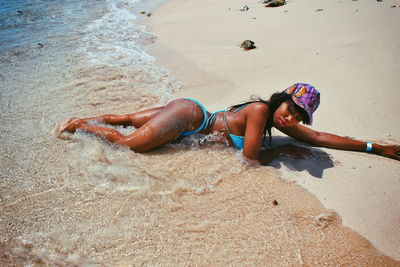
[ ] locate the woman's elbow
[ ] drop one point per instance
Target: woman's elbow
(250, 157)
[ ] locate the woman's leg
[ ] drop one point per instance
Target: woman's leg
(163, 127)
(136, 119)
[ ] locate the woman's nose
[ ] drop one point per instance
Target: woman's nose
(289, 118)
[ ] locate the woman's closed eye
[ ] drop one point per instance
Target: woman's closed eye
(295, 113)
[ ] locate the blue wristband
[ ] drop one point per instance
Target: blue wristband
(369, 147)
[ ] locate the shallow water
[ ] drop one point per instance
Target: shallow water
(84, 202)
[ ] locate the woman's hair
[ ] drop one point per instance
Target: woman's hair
(273, 103)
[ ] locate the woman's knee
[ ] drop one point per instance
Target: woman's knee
(134, 146)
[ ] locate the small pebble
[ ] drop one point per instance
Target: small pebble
(275, 202)
(247, 45)
(275, 3)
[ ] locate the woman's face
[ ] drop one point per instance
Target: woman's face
(286, 115)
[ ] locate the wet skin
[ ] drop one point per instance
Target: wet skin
(158, 126)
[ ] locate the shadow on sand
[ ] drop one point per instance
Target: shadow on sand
(314, 164)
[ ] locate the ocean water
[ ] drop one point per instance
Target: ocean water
(84, 202)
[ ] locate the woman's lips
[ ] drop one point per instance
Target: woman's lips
(281, 122)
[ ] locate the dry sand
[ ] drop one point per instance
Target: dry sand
(84, 202)
(349, 50)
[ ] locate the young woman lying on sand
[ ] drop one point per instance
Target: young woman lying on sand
(244, 126)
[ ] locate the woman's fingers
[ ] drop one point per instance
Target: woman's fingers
(397, 150)
(392, 151)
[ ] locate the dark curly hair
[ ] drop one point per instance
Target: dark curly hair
(273, 103)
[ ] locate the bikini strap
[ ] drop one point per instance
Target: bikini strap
(239, 108)
(211, 119)
(236, 110)
(226, 124)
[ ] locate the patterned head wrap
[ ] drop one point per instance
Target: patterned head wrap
(305, 96)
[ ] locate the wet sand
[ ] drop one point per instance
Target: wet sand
(84, 202)
(249, 216)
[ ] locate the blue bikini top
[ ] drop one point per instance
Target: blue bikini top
(238, 141)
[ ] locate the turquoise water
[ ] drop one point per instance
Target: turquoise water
(28, 22)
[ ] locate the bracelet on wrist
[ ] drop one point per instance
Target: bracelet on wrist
(369, 147)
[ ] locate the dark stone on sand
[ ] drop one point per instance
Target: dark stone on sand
(379, 0)
(392, 6)
(275, 3)
(247, 45)
(143, 12)
(20, 12)
(40, 45)
(149, 14)
(275, 202)
(319, 9)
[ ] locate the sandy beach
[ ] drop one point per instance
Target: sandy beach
(346, 49)
(81, 201)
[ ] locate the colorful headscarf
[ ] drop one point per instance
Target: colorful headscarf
(305, 96)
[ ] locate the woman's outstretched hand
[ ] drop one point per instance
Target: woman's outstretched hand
(389, 151)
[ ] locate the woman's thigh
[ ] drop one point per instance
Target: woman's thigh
(138, 119)
(165, 126)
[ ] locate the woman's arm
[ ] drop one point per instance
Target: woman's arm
(328, 140)
(256, 118)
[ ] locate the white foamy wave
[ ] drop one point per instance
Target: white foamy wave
(114, 39)
(113, 47)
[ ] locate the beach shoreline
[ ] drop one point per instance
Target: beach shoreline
(82, 201)
(200, 43)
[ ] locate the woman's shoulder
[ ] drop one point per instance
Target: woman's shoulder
(256, 110)
(258, 107)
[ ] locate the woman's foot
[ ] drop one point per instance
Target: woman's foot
(68, 125)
